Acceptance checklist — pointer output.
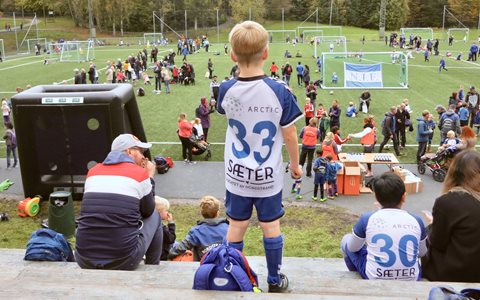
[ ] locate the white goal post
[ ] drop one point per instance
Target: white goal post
(329, 44)
(281, 36)
(76, 51)
(426, 33)
(32, 42)
(2, 50)
(360, 70)
(151, 38)
(327, 30)
(458, 34)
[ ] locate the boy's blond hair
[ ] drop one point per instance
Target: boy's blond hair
(450, 134)
(209, 206)
(249, 40)
(161, 204)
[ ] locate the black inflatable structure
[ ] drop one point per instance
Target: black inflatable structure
(63, 130)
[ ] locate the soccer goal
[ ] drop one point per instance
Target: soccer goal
(309, 35)
(458, 34)
(357, 70)
(152, 38)
(326, 30)
(281, 36)
(77, 51)
(2, 50)
(41, 43)
(329, 44)
(426, 33)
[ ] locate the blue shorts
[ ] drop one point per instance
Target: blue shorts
(240, 208)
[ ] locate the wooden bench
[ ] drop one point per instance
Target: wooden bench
(311, 278)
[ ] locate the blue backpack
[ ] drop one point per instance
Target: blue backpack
(225, 268)
(48, 245)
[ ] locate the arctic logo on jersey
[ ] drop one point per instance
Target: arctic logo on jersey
(264, 109)
(232, 106)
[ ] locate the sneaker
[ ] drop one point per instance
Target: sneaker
(185, 160)
(336, 194)
(299, 197)
(314, 198)
(293, 191)
(282, 287)
(323, 199)
(401, 154)
(192, 162)
(331, 197)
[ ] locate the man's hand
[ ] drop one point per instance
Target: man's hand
(169, 217)
(149, 167)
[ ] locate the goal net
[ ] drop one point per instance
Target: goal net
(309, 35)
(2, 50)
(329, 44)
(458, 34)
(326, 30)
(426, 33)
(36, 45)
(76, 51)
(357, 70)
(281, 36)
(152, 38)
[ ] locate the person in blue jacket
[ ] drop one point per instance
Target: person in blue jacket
(208, 233)
(300, 69)
(423, 134)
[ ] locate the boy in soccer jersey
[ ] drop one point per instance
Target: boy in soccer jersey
(261, 113)
(387, 243)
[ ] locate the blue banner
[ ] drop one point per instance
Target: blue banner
(360, 75)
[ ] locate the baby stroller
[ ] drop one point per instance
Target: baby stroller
(200, 147)
(437, 164)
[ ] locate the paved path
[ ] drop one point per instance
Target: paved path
(190, 182)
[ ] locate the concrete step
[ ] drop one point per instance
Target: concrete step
(310, 278)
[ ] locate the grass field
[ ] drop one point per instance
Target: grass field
(159, 112)
(309, 231)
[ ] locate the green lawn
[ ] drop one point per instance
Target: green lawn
(309, 231)
(159, 112)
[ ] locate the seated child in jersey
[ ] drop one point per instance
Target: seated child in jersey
(162, 205)
(320, 169)
(209, 232)
(334, 78)
(198, 132)
(146, 79)
(351, 110)
(450, 141)
(331, 176)
(387, 243)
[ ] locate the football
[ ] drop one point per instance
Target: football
(331, 92)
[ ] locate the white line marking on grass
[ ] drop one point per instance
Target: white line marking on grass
(21, 65)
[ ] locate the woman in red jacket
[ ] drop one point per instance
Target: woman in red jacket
(185, 128)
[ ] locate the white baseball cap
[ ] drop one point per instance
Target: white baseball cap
(126, 141)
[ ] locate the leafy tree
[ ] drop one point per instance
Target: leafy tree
(299, 10)
(467, 11)
(241, 10)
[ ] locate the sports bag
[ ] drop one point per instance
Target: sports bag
(225, 268)
(48, 245)
(161, 164)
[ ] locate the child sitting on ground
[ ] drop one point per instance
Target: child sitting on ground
(380, 248)
(334, 78)
(320, 169)
(351, 110)
(146, 78)
(208, 233)
(331, 176)
(162, 206)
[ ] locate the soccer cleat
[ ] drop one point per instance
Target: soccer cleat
(299, 197)
(323, 199)
(314, 198)
(282, 287)
(293, 191)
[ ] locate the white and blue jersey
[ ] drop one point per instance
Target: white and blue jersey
(394, 240)
(257, 108)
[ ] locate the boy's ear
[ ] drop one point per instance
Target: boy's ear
(232, 56)
(265, 54)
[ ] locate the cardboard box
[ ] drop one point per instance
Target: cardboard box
(352, 178)
(340, 179)
(413, 187)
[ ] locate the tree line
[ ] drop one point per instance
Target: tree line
(136, 15)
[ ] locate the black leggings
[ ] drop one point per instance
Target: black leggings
(205, 133)
(186, 148)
